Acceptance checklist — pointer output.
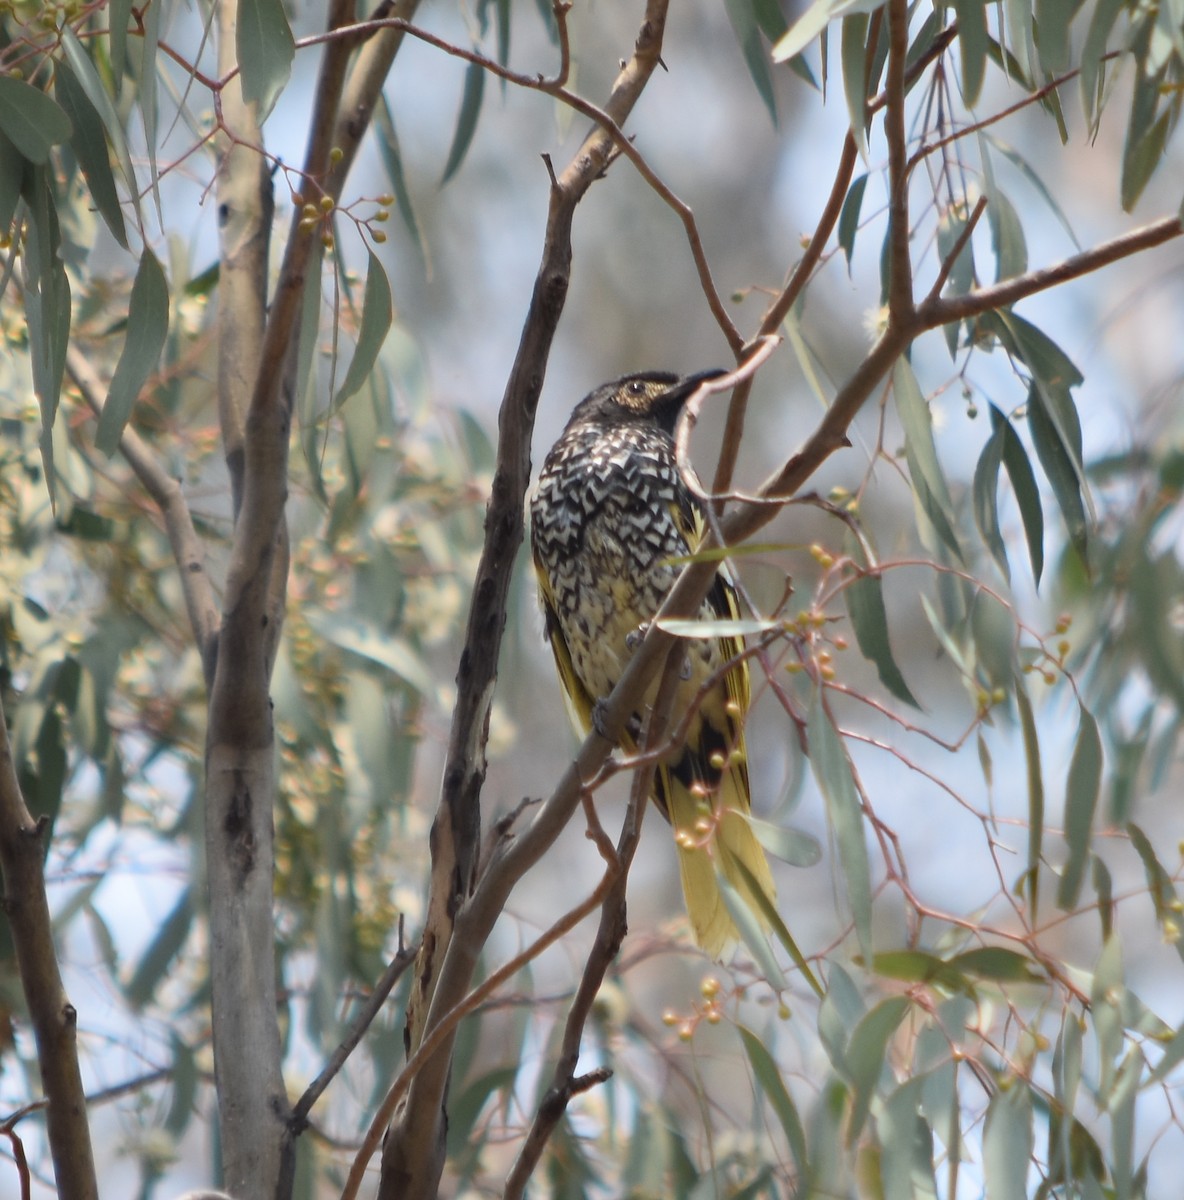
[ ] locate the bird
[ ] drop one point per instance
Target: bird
(612, 521)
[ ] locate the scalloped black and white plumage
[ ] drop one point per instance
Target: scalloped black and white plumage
(612, 522)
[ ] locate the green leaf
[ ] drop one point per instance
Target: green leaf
(161, 952)
(1122, 1124)
(1105, 13)
(149, 45)
(984, 492)
(994, 628)
(1053, 18)
(1155, 583)
(362, 639)
(392, 157)
(466, 122)
(832, 769)
(1061, 470)
(997, 963)
(1159, 883)
(265, 48)
(764, 1068)
(814, 20)
(864, 598)
(849, 217)
(89, 81)
(90, 148)
(1106, 992)
(792, 846)
(972, 47)
(1007, 231)
(377, 313)
(1027, 493)
(1081, 802)
(147, 328)
(925, 472)
(950, 225)
(1035, 790)
(865, 1057)
(748, 925)
(12, 170)
(754, 936)
(853, 57)
(464, 1110)
(118, 19)
(1021, 164)
(1141, 155)
(30, 120)
(916, 966)
(47, 308)
(1008, 1141)
(748, 34)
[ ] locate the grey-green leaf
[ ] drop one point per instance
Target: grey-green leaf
(12, 169)
(31, 120)
(1035, 790)
(984, 492)
(869, 619)
(1027, 492)
(972, 46)
(769, 1078)
(748, 33)
(392, 157)
(466, 122)
(924, 470)
(853, 57)
(865, 1057)
(849, 217)
(1060, 469)
(147, 328)
(1081, 802)
(89, 144)
(837, 784)
(377, 314)
(1008, 1141)
(265, 51)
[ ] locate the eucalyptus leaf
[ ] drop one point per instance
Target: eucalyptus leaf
(836, 781)
(147, 328)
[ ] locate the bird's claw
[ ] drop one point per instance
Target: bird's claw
(600, 720)
(635, 637)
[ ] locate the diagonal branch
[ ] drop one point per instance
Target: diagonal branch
(413, 1154)
(166, 492)
(565, 1084)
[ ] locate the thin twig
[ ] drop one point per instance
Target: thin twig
(364, 1019)
(959, 245)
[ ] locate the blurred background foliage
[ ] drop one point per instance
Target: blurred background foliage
(998, 937)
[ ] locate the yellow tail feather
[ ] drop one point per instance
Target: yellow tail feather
(713, 832)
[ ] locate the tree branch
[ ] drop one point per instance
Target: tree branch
(240, 754)
(54, 1019)
(169, 497)
(245, 210)
(900, 272)
(609, 935)
(413, 1154)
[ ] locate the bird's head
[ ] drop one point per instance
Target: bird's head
(648, 397)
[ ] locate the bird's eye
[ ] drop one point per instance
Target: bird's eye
(635, 387)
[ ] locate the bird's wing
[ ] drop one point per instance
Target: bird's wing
(579, 703)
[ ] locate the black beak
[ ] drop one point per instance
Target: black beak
(684, 388)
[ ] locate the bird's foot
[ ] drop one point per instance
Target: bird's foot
(635, 637)
(600, 719)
